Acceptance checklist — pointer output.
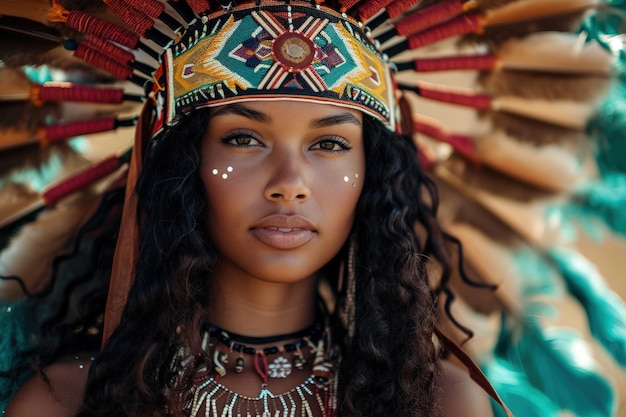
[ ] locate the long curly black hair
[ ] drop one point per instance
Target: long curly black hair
(389, 366)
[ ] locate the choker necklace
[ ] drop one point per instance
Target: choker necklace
(280, 367)
(264, 340)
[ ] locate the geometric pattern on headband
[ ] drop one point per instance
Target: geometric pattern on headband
(277, 51)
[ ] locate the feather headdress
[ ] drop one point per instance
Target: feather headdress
(517, 108)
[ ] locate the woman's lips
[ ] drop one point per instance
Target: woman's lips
(284, 232)
(282, 238)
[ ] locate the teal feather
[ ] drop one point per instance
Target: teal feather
(558, 363)
(550, 363)
(608, 129)
(517, 392)
(605, 199)
(605, 310)
(605, 26)
(601, 200)
(608, 126)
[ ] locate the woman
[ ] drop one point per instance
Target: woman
(279, 267)
(246, 249)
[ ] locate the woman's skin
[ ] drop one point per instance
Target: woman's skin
(283, 179)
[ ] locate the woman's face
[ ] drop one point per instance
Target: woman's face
(282, 179)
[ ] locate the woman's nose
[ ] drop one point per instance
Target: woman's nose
(288, 181)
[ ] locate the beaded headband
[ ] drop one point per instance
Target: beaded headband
(295, 52)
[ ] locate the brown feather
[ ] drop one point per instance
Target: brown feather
(14, 85)
(31, 252)
(458, 209)
(481, 300)
(534, 131)
(545, 86)
(13, 43)
(17, 51)
(492, 181)
(530, 10)
(496, 34)
(555, 52)
(25, 115)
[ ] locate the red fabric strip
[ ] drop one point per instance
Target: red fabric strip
(81, 180)
(371, 7)
(471, 62)
(55, 133)
(109, 49)
(103, 29)
(460, 25)
(478, 101)
(462, 144)
(152, 8)
(428, 17)
(199, 6)
(347, 4)
(104, 62)
(80, 93)
(397, 7)
(136, 19)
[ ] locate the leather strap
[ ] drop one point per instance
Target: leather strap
(474, 370)
(127, 246)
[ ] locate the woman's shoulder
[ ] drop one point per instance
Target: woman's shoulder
(461, 396)
(57, 392)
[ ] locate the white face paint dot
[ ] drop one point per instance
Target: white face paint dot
(229, 169)
(354, 184)
(346, 179)
(224, 176)
(215, 171)
(356, 175)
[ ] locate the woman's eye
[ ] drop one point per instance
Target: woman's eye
(332, 145)
(243, 139)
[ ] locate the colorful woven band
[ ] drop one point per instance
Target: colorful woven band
(269, 52)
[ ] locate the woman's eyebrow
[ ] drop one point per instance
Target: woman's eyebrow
(239, 110)
(335, 119)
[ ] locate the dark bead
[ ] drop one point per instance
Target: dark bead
(298, 362)
(239, 363)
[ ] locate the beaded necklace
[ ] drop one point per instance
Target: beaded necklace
(310, 398)
(316, 396)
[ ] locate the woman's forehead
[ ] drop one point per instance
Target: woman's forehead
(285, 107)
